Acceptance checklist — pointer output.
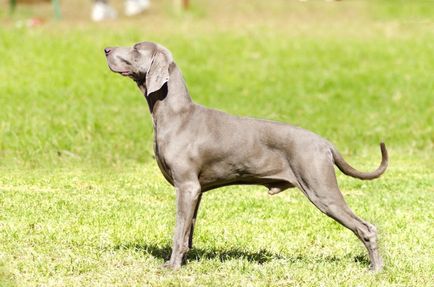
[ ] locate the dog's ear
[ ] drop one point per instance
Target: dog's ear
(158, 72)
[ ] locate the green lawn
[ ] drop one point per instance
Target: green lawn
(82, 202)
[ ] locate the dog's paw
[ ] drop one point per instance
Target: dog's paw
(376, 268)
(171, 265)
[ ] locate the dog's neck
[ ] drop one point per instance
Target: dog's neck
(171, 100)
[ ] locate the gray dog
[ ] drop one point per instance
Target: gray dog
(199, 149)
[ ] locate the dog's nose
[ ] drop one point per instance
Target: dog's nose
(107, 51)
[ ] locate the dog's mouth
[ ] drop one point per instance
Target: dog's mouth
(124, 73)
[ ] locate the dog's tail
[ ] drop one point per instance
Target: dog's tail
(349, 170)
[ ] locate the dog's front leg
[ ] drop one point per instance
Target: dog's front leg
(187, 198)
(193, 223)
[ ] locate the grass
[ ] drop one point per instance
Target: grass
(84, 227)
(82, 202)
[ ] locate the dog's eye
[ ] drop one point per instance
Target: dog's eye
(135, 54)
(135, 50)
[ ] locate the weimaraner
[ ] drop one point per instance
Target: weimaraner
(198, 149)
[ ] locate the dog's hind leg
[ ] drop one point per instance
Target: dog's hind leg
(318, 183)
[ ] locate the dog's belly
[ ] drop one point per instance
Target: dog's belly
(274, 185)
(271, 172)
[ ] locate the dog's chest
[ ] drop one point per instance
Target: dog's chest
(160, 150)
(162, 164)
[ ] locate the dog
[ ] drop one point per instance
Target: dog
(198, 149)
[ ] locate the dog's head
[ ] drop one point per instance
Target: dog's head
(146, 63)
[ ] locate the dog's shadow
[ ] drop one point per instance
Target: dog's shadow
(197, 254)
(260, 257)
